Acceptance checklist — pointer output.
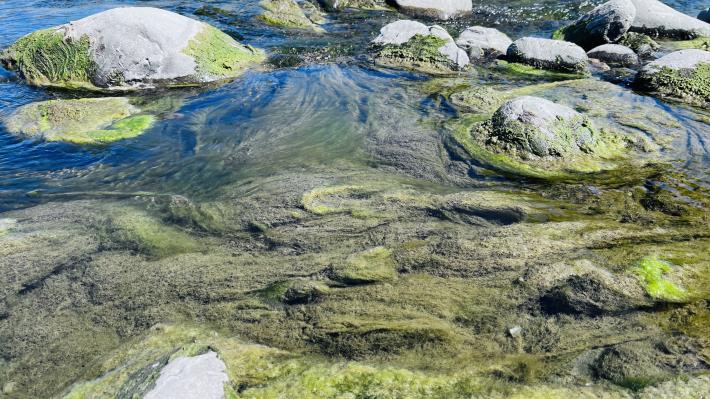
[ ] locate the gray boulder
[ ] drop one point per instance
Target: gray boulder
(532, 126)
(129, 48)
(614, 55)
(549, 54)
(659, 20)
(606, 23)
(682, 75)
(413, 45)
(704, 15)
(479, 41)
(441, 9)
(197, 377)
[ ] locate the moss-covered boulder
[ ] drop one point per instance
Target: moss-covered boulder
(535, 137)
(682, 76)
(80, 121)
(286, 14)
(129, 48)
(415, 46)
(334, 5)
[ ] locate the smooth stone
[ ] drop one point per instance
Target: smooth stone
(606, 23)
(548, 54)
(614, 55)
(659, 20)
(534, 125)
(440, 9)
(197, 377)
(704, 15)
(480, 41)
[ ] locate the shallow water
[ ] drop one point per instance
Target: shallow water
(371, 147)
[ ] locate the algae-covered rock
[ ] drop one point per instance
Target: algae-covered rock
(413, 45)
(614, 55)
(372, 266)
(359, 4)
(641, 44)
(682, 75)
(198, 377)
(129, 48)
(441, 9)
(549, 54)
(480, 41)
(296, 292)
(606, 23)
(80, 121)
(633, 365)
(287, 14)
(659, 20)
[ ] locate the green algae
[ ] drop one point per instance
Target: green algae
(335, 199)
(286, 14)
(692, 87)
(219, 56)
(641, 44)
(700, 43)
(421, 53)
(47, 58)
(80, 121)
(651, 271)
(515, 68)
(372, 266)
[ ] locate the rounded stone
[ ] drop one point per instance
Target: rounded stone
(441, 9)
(614, 55)
(480, 41)
(659, 20)
(129, 48)
(535, 126)
(682, 75)
(548, 54)
(606, 23)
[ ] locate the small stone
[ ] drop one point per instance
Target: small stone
(516, 332)
(614, 55)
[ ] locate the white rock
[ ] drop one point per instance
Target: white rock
(197, 377)
(479, 41)
(657, 19)
(442, 9)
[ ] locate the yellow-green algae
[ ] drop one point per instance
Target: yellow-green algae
(651, 271)
(371, 266)
(46, 58)
(80, 121)
(420, 53)
(219, 56)
(692, 87)
(287, 14)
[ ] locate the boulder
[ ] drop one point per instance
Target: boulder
(549, 54)
(479, 41)
(440, 9)
(198, 377)
(704, 15)
(606, 23)
(535, 127)
(659, 20)
(614, 55)
(129, 48)
(682, 75)
(79, 121)
(286, 14)
(413, 45)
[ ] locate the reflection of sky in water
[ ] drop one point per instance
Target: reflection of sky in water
(261, 123)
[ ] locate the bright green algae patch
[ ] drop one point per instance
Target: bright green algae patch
(217, 55)
(45, 58)
(80, 121)
(692, 87)
(651, 271)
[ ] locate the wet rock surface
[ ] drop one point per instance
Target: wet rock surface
(614, 55)
(659, 20)
(548, 54)
(606, 23)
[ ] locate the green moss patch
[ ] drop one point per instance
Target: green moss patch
(80, 121)
(651, 271)
(692, 87)
(45, 57)
(372, 266)
(515, 68)
(219, 56)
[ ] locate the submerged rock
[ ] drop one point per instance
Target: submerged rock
(659, 20)
(287, 14)
(683, 76)
(549, 54)
(80, 121)
(479, 41)
(202, 376)
(129, 48)
(614, 55)
(413, 45)
(606, 23)
(441, 9)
